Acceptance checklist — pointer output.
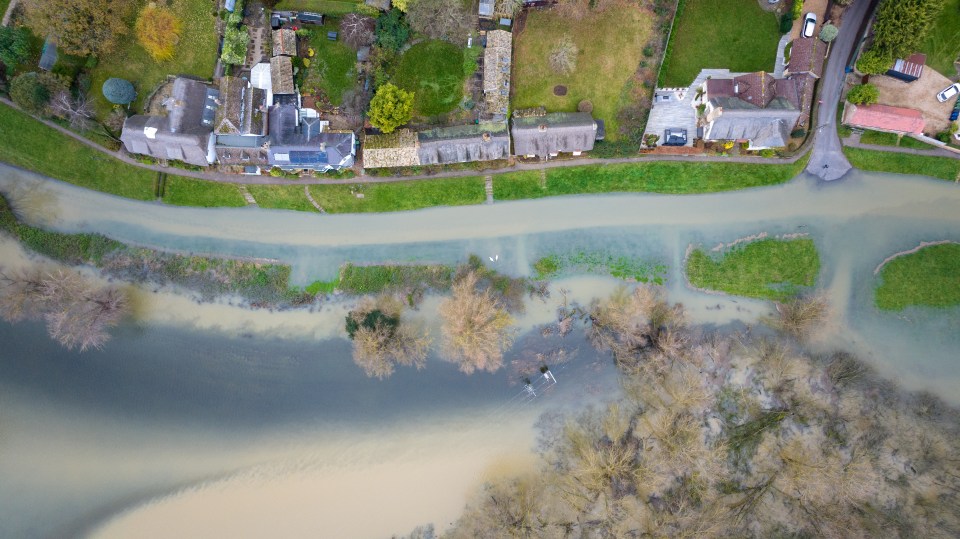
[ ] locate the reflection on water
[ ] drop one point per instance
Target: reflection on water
(268, 424)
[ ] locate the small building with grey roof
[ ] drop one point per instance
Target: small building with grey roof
(486, 141)
(184, 133)
(547, 134)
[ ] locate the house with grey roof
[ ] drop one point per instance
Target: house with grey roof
(184, 133)
(496, 74)
(756, 108)
(299, 142)
(486, 141)
(545, 135)
(240, 125)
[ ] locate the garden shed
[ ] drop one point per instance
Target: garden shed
(910, 69)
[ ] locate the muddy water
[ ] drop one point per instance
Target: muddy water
(227, 421)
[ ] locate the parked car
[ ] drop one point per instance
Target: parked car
(674, 137)
(956, 111)
(948, 92)
(809, 24)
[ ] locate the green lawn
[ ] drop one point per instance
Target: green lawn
(767, 269)
(669, 177)
(433, 70)
(327, 7)
(944, 168)
(942, 44)
(190, 192)
(879, 137)
(610, 45)
(282, 197)
(891, 139)
(331, 68)
(195, 54)
(733, 34)
(399, 196)
(372, 279)
(27, 143)
(930, 277)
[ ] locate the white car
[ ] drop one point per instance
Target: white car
(949, 92)
(809, 24)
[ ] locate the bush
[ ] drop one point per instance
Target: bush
(828, 33)
(874, 62)
(390, 108)
(119, 91)
(33, 91)
(14, 46)
(235, 41)
(863, 94)
(944, 136)
(786, 23)
(797, 9)
(767, 152)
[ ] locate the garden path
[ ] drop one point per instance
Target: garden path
(854, 142)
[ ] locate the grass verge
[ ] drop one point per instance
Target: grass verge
(670, 177)
(281, 197)
(609, 54)
(27, 143)
(189, 192)
(767, 269)
(929, 277)
(943, 168)
(373, 279)
(734, 34)
(399, 196)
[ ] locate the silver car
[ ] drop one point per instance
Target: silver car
(949, 92)
(809, 24)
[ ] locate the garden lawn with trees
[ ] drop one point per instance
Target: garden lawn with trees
(327, 7)
(929, 277)
(433, 71)
(607, 48)
(331, 69)
(767, 269)
(734, 34)
(195, 54)
(944, 168)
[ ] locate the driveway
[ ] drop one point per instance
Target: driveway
(827, 160)
(920, 94)
(674, 107)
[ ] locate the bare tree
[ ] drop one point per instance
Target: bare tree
(77, 313)
(381, 339)
(77, 110)
(475, 327)
(358, 30)
(798, 316)
(441, 19)
(563, 56)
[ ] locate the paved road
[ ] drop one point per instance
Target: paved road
(827, 160)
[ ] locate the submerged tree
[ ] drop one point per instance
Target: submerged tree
(381, 340)
(78, 314)
(476, 326)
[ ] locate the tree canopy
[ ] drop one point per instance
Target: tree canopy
(82, 27)
(901, 25)
(392, 30)
(390, 108)
(874, 62)
(119, 91)
(235, 41)
(158, 30)
(14, 45)
(441, 19)
(33, 91)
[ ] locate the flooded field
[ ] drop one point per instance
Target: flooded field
(232, 422)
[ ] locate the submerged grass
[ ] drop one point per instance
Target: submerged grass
(929, 277)
(373, 279)
(399, 196)
(767, 269)
(944, 168)
(591, 262)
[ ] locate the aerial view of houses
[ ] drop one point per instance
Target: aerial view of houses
(480, 268)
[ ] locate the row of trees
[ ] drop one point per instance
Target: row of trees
(77, 312)
(475, 329)
(899, 27)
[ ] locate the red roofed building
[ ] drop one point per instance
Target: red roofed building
(884, 118)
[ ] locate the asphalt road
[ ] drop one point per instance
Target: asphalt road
(827, 160)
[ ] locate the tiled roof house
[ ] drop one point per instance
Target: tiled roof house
(284, 42)
(496, 74)
(754, 107)
(884, 118)
(184, 133)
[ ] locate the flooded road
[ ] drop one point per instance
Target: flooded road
(226, 421)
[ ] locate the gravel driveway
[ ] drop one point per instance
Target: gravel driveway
(920, 94)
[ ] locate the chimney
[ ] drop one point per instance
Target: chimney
(736, 88)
